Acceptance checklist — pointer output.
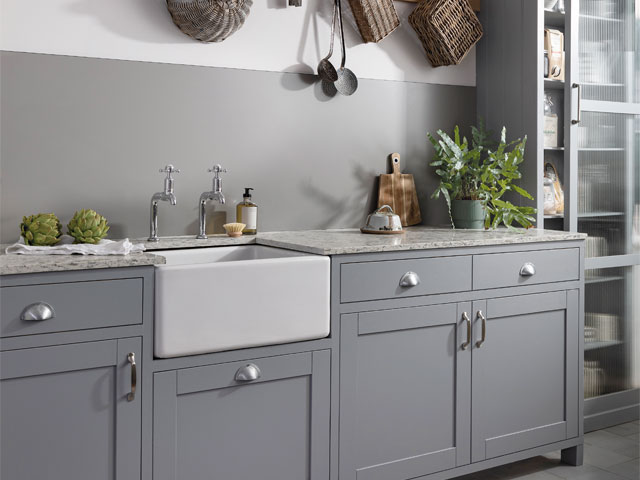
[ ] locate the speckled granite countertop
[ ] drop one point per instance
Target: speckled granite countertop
(15, 264)
(341, 242)
(322, 242)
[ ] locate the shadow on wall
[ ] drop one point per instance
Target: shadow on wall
(340, 210)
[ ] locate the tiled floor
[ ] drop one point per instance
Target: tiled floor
(610, 454)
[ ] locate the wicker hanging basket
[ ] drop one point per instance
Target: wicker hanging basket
(375, 18)
(209, 20)
(447, 29)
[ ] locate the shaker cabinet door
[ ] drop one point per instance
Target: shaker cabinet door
(526, 372)
(263, 419)
(404, 392)
(67, 412)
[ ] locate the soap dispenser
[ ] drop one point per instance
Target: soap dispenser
(247, 213)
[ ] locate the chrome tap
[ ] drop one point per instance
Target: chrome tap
(215, 194)
(166, 196)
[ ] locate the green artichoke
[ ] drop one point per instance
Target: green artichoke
(88, 226)
(43, 229)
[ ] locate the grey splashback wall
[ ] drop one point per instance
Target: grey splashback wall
(90, 133)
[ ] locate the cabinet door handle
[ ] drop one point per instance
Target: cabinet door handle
(37, 312)
(577, 85)
(484, 329)
(528, 270)
(410, 279)
(465, 317)
(131, 358)
(248, 373)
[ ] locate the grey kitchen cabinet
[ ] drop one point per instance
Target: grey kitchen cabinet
(436, 386)
(266, 419)
(395, 363)
(405, 392)
(71, 411)
(525, 372)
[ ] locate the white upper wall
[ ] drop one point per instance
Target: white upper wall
(275, 37)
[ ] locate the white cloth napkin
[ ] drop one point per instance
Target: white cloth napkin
(67, 247)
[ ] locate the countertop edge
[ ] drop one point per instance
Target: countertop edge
(25, 264)
(411, 247)
(62, 263)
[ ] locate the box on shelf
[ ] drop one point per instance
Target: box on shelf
(550, 131)
(554, 45)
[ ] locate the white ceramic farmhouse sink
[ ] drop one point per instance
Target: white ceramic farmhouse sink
(224, 298)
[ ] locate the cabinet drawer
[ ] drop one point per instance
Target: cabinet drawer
(498, 270)
(75, 306)
(382, 280)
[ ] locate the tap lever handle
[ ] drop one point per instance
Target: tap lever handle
(217, 170)
(169, 169)
(217, 182)
(168, 181)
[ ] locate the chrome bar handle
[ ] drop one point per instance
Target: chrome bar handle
(131, 358)
(579, 87)
(248, 373)
(484, 328)
(37, 312)
(465, 317)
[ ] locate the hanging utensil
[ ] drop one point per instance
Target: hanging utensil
(347, 82)
(326, 71)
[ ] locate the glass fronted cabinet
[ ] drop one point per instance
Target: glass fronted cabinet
(608, 205)
(586, 123)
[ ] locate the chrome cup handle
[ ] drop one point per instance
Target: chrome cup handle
(410, 279)
(248, 373)
(37, 312)
(528, 270)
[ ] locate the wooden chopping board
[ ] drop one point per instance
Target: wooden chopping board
(398, 190)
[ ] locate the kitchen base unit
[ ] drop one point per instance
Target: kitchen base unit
(441, 361)
(71, 407)
(436, 386)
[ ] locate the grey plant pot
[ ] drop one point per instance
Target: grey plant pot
(468, 213)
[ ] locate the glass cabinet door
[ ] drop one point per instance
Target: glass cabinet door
(608, 204)
(608, 166)
(609, 53)
(611, 331)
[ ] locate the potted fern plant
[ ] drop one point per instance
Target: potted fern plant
(474, 177)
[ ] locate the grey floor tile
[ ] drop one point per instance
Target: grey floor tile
(631, 452)
(599, 475)
(630, 470)
(601, 457)
(563, 470)
(635, 437)
(609, 441)
(624, 429)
